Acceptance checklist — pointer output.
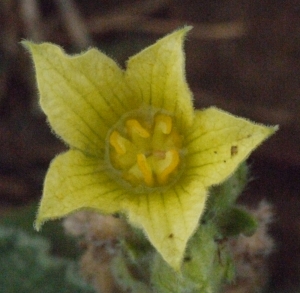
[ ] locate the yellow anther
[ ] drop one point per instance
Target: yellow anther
(134, 126)
(145, 169)
(163, 123)
(167, 166)
(118, 142)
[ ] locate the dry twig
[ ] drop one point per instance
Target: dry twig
(218, 31)
(135, 17)
(126, 16)
(30, 14)
(10, 31)
(74, 24)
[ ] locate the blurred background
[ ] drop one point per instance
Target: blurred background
(242, 56)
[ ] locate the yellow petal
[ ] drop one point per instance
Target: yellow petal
(76, 181)
(218, 142)
(82, 95)
(157, 77)
(169, 218)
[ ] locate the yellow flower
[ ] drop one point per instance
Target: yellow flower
(137, 146)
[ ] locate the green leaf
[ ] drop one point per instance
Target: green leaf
(22, 218)
(27, 266)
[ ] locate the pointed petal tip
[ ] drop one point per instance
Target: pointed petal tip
(28, 44)
(33, 48)
(176, 266)
(181, 32)
(274, 129)
(174, 261)
(37, 225)
(25, 43)
(268, 130)
(187, 28)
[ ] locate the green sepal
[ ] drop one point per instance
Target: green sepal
(124, 277)
(236, 221)
(224, 195)
(137, 245)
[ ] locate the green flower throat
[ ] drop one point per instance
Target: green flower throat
(145, 149)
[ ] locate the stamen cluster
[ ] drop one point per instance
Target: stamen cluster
(146, 152)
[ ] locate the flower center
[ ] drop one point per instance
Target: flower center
(146, 150)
